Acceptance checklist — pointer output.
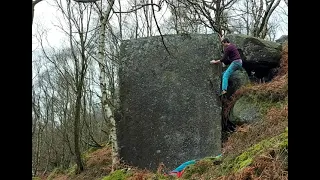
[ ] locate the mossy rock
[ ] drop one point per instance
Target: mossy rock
(245, 110)
(238, 79)
(256, 49)
(251, 108)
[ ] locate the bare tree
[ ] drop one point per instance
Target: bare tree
(261, 13)
(136, 19)
(77, 17)
(254, 18)
(37, 130)
(107, 105)
(148, 17)
(69, 117)
(176, 16)
(210, 14)
(241, 22)
(64, 110)
(184, 19)
(271, 33)
(42, 108)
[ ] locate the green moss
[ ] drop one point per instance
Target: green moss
(262, 101)
(116, 175)
(72, 170)
(214, 158)
(266, 105)
(36, 178)
(243, 160)
(163, 177)
(284, 143)
(251, 107)
(199, 167)
(272, 96)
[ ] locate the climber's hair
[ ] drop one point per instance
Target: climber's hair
(225, 40)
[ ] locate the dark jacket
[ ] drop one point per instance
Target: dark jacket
(231, 53)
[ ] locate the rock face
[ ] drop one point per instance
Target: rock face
(238, 79)
(245, 111)
(258, 55)
(169, 106)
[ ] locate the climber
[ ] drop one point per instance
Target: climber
(232, 55)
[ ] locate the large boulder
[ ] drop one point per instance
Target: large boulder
(257, 50)
(170, 109)
(237, 79)
(245, 110)
(258, 55)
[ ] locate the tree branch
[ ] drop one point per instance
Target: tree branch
(141, 6)
(155, 19)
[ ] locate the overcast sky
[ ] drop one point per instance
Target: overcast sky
(45, 16)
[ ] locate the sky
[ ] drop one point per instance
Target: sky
(45, 17)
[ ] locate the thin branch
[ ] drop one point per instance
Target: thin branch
(141, 6)
(155, 19)
(48, 58)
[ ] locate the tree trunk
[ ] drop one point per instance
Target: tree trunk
(107, 110)
(76, 129)
(271, 7)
